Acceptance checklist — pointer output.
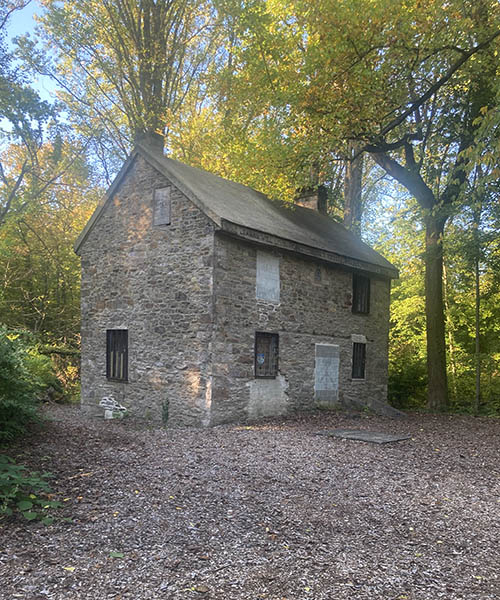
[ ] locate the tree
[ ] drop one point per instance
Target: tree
(126, 66)
(407, 82)
(23, 117)
(39, 271)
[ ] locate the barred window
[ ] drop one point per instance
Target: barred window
(117, 354)
(266, 354)
(358, 360)
(360, 294)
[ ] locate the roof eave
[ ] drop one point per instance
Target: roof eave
(100, 207)
(266, 239)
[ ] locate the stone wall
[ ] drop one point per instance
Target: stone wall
(315, 306)
(157, 283)
(187, 296)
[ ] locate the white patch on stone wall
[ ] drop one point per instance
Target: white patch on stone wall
(268, 277)
(358, 339)
(268, 397)
(326, 373)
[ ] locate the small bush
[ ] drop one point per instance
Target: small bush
(18, 387)
(407, 384)
(24, 492)
(41, 370)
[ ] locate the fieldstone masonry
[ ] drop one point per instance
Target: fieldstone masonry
(156, 282)
(187, 294)
(311, 311)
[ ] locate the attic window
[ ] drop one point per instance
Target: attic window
(117, 354)
(266, 354)
(161, 206)
(360, 294)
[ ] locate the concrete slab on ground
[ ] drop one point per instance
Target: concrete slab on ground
(375, 437)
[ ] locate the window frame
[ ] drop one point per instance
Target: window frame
(358, 372)
(117, 338)
(361, 291)
(273, 367)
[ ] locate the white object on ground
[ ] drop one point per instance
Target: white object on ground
(111, 406)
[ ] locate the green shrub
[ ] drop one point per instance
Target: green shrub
(18, 387)
(407, 383)
(24, 492)
(41, 369)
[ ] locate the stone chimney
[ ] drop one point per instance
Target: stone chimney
(151, 140)
(314, 198)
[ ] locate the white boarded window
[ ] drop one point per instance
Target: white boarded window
(268, 277)
(161, 206)
(326, 373)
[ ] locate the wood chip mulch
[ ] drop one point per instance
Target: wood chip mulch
(267, 511)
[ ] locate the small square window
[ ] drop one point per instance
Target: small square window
(358, 360)
(360, 294)
(266, 354)
(117, 354)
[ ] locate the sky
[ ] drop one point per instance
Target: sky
(22, 22)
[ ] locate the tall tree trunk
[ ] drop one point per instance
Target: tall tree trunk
(437, 392)
(352, 188)
(450, 328)
(477, 399)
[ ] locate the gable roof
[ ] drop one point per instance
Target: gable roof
(242, 211)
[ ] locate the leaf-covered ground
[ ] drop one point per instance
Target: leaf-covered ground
(270, 511)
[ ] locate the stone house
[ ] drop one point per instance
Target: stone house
(204, 302)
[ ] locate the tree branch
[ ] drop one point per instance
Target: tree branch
(436, 86)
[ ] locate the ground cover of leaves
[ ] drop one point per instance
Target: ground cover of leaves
(268, 511)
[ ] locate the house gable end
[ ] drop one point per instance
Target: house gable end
(152, 161)
(104, 202)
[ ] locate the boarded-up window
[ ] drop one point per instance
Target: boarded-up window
(117, 354)
(266, 354)
(268, 277)
(161, 206)
(358, 360)
(326, 373)
(360, 294)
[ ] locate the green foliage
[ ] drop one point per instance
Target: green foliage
(39, 271)
(474, 232)
(41, 369)
(269, 93)
(24, 492)
(18, 387)
(407, 381)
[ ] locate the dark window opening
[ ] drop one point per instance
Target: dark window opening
(358, 360)
(360, 294)
(117, 354)
(266, 354)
